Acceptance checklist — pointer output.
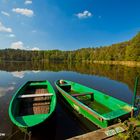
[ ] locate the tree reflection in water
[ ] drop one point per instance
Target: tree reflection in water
(121, 73)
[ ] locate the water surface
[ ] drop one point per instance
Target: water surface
(117, 81)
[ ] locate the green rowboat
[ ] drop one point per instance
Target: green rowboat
(32, 104)
(96, 106)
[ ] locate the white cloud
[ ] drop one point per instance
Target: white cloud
(25, 12)
(28, 2)
(3, 91)
(4, 29)
(13, 83)
(5, 13)
(84, 14)
(35, 71)
(35, 49)
(20, 45)
(11, 35)
(18, 74)
(17, 45)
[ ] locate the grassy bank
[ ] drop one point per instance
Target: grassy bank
(132, 130)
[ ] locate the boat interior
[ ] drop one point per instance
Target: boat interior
(86, 98)
(31, 103)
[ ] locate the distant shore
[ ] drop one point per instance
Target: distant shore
(125, 63)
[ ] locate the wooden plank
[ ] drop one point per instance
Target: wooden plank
(82, 94)
(34, 95)
(103, 133)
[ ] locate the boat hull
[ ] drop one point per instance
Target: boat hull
(83, 109)
(30, 108)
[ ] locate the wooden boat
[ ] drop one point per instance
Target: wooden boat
(99, 108)
(32, 104)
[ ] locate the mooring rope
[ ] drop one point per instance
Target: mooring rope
(29, 135)
(25, 133)
(13, 134)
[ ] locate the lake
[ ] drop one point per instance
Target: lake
(114, 80)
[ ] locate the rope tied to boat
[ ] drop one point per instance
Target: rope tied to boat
(12, 134)
(25, 134)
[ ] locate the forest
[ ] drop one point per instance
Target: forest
(124, 51)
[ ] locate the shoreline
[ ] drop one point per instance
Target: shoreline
(124, 63)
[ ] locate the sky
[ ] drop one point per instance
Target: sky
(67, 24)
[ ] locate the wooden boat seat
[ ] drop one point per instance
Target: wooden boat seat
(84, 94)
(35, 95)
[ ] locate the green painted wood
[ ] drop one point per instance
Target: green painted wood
(31, 120)
(100, 111)
(135, 91)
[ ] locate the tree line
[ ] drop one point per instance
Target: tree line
(124, 51)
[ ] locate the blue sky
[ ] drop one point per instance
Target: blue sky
(67, 24)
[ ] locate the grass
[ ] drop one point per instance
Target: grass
(133, 130)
